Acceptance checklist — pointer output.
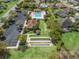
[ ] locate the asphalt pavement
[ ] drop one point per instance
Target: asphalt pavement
(12, 32)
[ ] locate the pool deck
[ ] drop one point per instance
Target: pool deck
(40, 17)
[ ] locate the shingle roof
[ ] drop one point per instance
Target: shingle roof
(61, 13)
(67, 23)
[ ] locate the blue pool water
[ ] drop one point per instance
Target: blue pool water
(37, 14)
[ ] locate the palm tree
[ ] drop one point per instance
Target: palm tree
(2, 45)
(23, 44)
(22, 38)
(6, 23)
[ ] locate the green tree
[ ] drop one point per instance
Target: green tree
(12, 14)
(23, 4)
(7, 21)
(2, 45)
(54, 26)
(75, 26)
(23, 43)
(3, 50)
(6, 24)
(22, 38)
(2, 37)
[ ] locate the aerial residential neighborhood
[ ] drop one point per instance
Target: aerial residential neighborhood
(39, 29)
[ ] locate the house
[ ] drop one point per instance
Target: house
(43, 5)
(60, 13)
(74, 2)
(67, 10)
(59, 5)
(66, 23)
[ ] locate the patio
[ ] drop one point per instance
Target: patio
(31, 23)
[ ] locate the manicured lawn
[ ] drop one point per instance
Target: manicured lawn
(33, 53)
(10, 5)
(43, 27)
(71, 40)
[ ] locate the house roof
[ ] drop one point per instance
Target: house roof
(31, 23)
(43, 5)
(67, 23)
(58, 5)
(61, 13)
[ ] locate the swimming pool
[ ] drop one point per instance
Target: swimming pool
(37, 14)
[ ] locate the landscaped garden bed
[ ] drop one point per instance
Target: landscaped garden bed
(44, 32)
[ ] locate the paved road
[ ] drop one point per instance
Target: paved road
(12, 32)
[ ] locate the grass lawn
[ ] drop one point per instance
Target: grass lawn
(33, 53)
(44, 30)
(10, 5)
(71, 40)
